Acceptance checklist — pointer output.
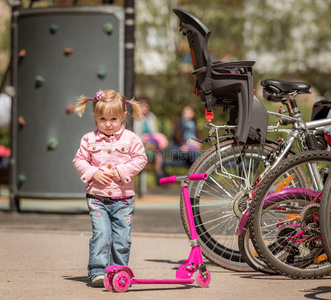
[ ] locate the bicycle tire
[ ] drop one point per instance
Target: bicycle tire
(224, 253)
(250, 256)
(246, 248)
(275, 233)
(248, 251)
(325, 225)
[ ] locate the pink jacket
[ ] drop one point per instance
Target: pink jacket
(123, 151)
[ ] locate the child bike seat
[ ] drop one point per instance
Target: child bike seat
(225, 84)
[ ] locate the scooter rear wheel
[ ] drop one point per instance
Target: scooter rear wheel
(203, 282)
(121, 281)
(108, 281)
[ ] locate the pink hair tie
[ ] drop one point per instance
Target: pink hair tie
(127, 101)
(91, 98)
(100, 94)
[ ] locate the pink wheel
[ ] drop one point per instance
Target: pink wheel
(203, 282)
(121, 281)
(108, 281)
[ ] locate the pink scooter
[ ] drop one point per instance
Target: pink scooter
(120, 278)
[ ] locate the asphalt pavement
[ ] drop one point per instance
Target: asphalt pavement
(44, 252)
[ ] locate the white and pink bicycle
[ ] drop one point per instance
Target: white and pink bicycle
(120, 278)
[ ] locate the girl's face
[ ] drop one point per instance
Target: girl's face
(108, 124)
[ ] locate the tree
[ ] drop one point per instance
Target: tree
(290, 39)
(168, 82)
(5, 37)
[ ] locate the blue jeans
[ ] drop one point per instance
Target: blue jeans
(111, 227)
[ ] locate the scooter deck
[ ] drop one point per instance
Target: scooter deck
(162, 281)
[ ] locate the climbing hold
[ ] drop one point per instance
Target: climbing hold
(53, 28)
(22, 53)
(102, 74)
(39, 81)
(21, 178)
(68, 51)
(52, 143)
(21, 121)
(70, 108)
(108, 28)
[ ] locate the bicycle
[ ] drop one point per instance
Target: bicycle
(284, 220)
(241, 152)
(324, 217)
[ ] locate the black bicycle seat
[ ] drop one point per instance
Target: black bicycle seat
(286, 87)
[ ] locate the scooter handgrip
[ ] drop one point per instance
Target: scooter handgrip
(198, 176)
(168, 180)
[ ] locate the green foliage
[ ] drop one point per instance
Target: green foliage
(225, 19)
(5, 38)
(5, 138)
(290, 40)
(171, 90)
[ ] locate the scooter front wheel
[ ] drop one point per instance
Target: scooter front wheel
(108, 281)
(121, 281)
(201, 281)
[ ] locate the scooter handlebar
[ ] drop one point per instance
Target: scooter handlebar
(192, 177)
(168, 180)
(198, 176)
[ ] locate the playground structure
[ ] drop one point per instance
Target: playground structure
(58, 54)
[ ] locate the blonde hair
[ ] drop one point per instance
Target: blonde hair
(110, 102)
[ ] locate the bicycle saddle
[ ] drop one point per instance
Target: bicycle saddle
(275, 90)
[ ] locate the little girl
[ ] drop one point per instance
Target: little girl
(107, 160)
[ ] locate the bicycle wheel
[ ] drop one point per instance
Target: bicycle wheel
(324, 214)
(219, 202)
(284, 220)
(245, 245)
(249, 254)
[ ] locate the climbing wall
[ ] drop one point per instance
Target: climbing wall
(60, 54)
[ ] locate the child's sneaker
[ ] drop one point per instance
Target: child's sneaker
(98, 279)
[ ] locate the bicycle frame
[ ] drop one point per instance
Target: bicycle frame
(299, 131)
(297, 235)
(298, 192)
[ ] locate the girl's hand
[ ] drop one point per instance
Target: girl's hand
(115, 175)
(102, 177)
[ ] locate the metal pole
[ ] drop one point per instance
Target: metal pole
(129, 44)
(14, 201)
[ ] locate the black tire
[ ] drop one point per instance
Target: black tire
(325, 225)
(213, 199)
(275, 232)
(249, 255)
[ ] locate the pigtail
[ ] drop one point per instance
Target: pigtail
(137, 111)
(81, 104)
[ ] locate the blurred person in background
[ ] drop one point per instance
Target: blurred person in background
(153, 140)
(183, 150)
(5, 111)
(5, 116)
